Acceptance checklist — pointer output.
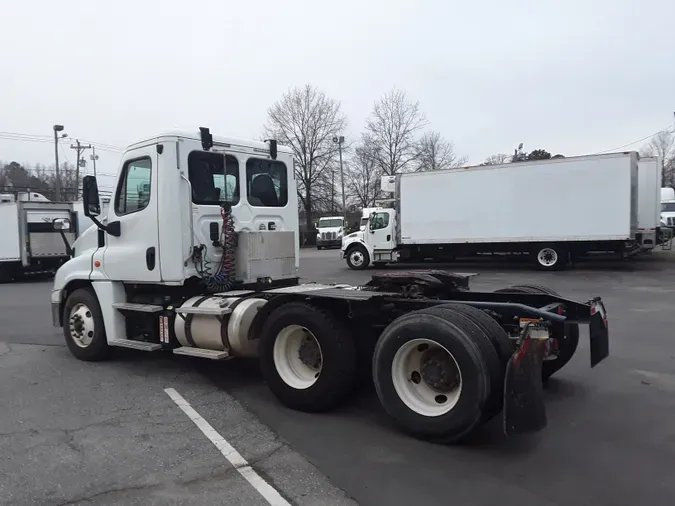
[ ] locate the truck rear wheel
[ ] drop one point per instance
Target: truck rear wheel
(431, 375)
(550, 257)
(307, 357)
(83, 326)
(358, 258)
(567, 335)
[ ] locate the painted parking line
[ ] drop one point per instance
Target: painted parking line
(270, 494)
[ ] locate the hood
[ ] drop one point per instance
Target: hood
(330, 229)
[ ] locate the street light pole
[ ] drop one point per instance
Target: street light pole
(93, 158)
(340, 140)
(57, 129)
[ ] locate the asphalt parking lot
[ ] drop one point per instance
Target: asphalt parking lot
(108, 433)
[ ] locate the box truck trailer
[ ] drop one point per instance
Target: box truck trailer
(209, 269)
(30, 242)
(552, 210)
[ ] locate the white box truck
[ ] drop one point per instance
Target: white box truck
(191, 270)
(30, 242)
(552, 210)
(649, 202)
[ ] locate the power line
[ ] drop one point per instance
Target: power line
(666, 129)
(15, 136)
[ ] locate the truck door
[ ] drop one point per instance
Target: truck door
(380, 230)
(134, 255)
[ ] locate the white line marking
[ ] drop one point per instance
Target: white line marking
(233, 456)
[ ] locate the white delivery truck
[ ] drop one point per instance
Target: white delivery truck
(329, 231)
(206, 265)
(550, 209)
(30, 242)
(649, 204)
(668, 207)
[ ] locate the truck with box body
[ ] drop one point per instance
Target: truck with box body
(30, 242)
(552, 210)
(649, 202)
(206, 265)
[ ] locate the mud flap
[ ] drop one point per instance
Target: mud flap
(524, 409)
(599, 333)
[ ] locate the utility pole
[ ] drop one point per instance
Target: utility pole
(339, 141)
(93, 158)
(57, 129)
(78, 161)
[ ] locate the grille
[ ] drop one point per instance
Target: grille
(328, 236)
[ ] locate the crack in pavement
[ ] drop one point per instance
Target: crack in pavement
(221, 473)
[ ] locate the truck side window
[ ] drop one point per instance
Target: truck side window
(133, 192)
(214, 178)
(266, 183)
(379, 221)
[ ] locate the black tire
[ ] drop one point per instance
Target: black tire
(319, 248)
(498, 337)
(447, 329)
(351, 261)
(98, 348)
(338, 371)
(555, 251)
(566, 335)
(466, 321)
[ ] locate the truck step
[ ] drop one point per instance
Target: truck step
(212, 311)
(139, 308)
(202, 353)
(135, 345)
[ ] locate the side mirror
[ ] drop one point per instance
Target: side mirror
(62, 224)
(90, 199)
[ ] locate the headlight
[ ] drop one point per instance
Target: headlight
(339, 236)
(318, 236)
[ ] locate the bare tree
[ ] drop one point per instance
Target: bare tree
(436, 153)
(497, 159)
(663, 146)
(362, 173)
(306, 120)
(391, 127)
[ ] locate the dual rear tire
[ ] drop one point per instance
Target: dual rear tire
(438, 372)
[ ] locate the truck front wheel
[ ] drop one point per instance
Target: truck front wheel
(83, 326)
(358, 258)
(307, 357)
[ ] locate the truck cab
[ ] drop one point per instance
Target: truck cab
(329, 231)
(376, 244)
(176, 195)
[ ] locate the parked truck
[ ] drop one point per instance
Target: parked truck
(547, 209)
(649, 202)
(329, 232)
(194, 269)
(30, 242)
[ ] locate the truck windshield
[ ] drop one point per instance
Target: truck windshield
(330, 223)
(668, 207)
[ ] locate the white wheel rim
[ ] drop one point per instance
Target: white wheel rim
(426, 377)
(81, 325)
(547, 257)
(356, 258)
(297, 357)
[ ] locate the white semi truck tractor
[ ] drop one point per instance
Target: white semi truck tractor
(199, 256)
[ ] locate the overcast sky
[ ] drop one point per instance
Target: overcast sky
(571, 77)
